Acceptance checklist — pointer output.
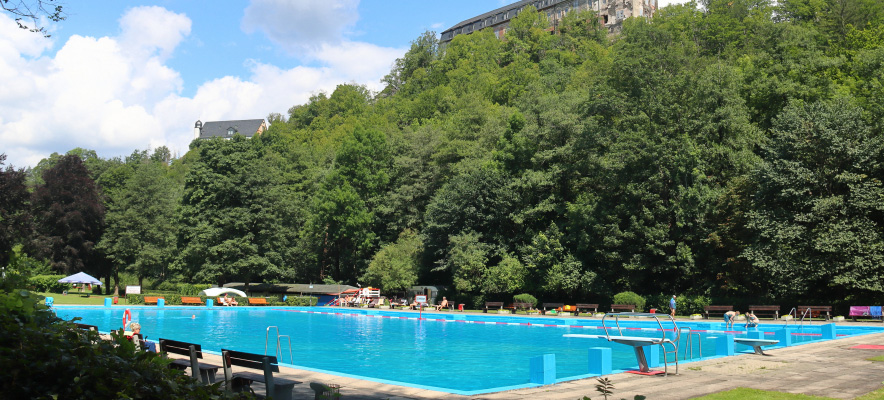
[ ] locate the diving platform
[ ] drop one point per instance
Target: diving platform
(639, 343)
(756, 344)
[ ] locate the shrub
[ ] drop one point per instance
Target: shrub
(44, 357)
(687, 304)
(48, 283)
(134, 299)
(187, 289)
(630, 298)
(525, 298)
(167, 287)
(300, 301)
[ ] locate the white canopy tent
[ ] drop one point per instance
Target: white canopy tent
(80, 277)
(212, 292)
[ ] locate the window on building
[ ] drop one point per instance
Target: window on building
(230, 131)
(619, 14)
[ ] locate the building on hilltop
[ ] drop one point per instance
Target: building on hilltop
(611, 14)
(226, 129)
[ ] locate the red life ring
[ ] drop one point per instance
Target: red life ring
(127, 317)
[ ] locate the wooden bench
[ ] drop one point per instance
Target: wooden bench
(258, 301)
(585, 306)
(492, 304)
(550, 305)
(449, 306)
(516, 306)
(716, 308)
(767, 310)
(86, 327)
(622, 307)
(205, 372)
(815, 311)
(278, 388)
(192, 300)
(152, 299)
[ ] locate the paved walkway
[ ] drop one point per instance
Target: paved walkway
(827, 368)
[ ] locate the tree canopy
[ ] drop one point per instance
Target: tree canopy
(731, 151)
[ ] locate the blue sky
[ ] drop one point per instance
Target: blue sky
(118, 76)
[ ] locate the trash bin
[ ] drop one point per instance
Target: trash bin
(116, 299)
(460, 307)
(653, 311)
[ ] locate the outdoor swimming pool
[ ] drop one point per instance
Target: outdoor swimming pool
(451, 352)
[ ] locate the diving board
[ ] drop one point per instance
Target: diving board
(756, 343)
(639, 343)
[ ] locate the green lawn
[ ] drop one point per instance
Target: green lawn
(81, 299)
(876, 358)
(756, 394)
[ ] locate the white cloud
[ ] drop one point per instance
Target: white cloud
(301, 25)
(116, 94)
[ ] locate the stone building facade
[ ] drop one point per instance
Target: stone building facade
(611, 13)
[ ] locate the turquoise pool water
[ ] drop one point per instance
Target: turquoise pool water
(451, 352)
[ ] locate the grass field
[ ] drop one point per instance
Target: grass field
(81, 299)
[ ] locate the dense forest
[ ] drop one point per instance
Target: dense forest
(728, 150)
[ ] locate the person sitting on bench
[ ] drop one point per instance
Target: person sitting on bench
(751, 320)
(443, 304)
(729, 318)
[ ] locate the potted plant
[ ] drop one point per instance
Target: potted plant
(696, 316)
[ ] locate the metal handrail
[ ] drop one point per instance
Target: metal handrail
(690, 343)
(663, 340)
(267, 339)
(278, 352)
(809, 316)
(793, 310)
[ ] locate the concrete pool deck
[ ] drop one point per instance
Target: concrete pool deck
(828, 368)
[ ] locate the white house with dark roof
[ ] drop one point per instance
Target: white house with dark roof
(226, 129)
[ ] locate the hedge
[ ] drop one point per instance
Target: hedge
(48, 283)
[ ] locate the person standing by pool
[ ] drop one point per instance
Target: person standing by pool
(672, 306)
(729, 318)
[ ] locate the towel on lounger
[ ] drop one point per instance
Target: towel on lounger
(875, 311)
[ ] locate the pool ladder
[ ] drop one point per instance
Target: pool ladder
(278, 340)
(806, 314)
(689, 344)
